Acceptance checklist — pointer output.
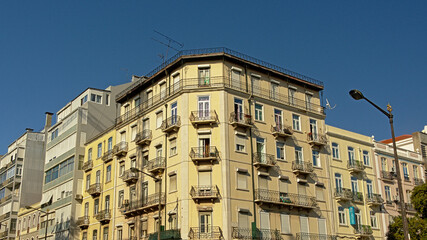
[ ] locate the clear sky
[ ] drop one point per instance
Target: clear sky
(50, 51)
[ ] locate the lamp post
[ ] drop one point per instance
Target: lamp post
(47, 218)
(357, 95)
(159, 224)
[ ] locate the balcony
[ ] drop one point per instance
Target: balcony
(108, 156)
(207, 232)
(204, 154)
(240, 120)
(263, 160)
(317, 139)
(156, 166)
(103, 216)
(281, 131)
(343, 194)
(374, 200)
(83, 222)
(357, 197)
(355, 166)
(144, 205)
(87, 166)
(248, 233)
(4, 234)
(166, 234)
(388, 176)
(299, 167)
(418, 181)
(199, 193)
(264, 196)
(203, 117)
(406, 178)
(120, 149)
(363, 230)
(143, 138)
(94, 189)
(171, 124)
(315, 236)
(408, 207)
(130, 176)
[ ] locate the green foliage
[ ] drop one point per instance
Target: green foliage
(417, 229)
(419, 200)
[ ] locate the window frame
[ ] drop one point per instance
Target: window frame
(296, 122)
(259, 113)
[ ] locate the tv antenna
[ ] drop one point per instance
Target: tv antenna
(328, 106)
(168, 42)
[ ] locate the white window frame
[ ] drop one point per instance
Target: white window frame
(296, 123)
(259, 114)
(335, 151)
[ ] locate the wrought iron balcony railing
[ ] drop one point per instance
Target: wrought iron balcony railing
(108, 156)
(357, 197)
(374, 199)
(388, 176)
(418, 181)
(281, 198)
(302, 167)
(364, 230)
(249, 234)
(120, 148)
(171, 124)
(130, 176)
(206, 153)
(88, 165)
(204, 192)
(83, 222)
(156, 165)
(206, 232)
(143, 137)
(315, 236)
(239, 119)
(146, 204)
(355, 166)
(104, 215)
(203, 117)
(264, 160)
(169, 234)
(281, 130)
(343, 194)
(94, 189)
(317, 139)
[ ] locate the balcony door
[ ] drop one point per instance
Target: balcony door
(205, 182)
(174, 113)
(264, 218)
(278, 119)
(204, 146)
(205, 225)
(260, 148)
(354, 187)
(338, 182)
(238, 109)
(203, 107)
(176, 83)
(313, 129)
(132, 196)
(351, 155)
(304, 224)
(98, 176)
(204, 77)
(144, 193)
(369, 188)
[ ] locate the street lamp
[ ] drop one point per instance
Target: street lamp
(357, 95)
(47, 218)
(159, 224)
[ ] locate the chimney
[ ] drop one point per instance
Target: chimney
(48, 121)
(29, 129)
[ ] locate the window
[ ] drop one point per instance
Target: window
(107, 99)
(283, 187)
(341, 216)
(373, 220)
(133, 133)
(366, 158)
(105, 233)
(108, 175)
(296, 122)
(159, 119)
(316, 158)
(98, 176)
(110, 144)
(18, 169)
(53, 173)
(121, 198)
(173, 147)
(144, 228)
(119, 234)
(278, 119)
(173, 221)
(274, 91)
(87, 181)
(83, 100)
(387, 193)
(350, 154)
(298, 154)
(321, 223)
(335, 151)
(308, 98)
(292, 92)
(107, 203)
(259, 112)
(235, 78)
(99, 150)
(405, 171)
(86, 213)
(84, 236)
(319, 193)
(95, 206)
(54, 134)
(240, 143)
(121, 169)
(243, 219)
(338, 182)
(242, 180)
(255, 84)
(95, 235)
(96, 98)
(415, 168)
(172, 182)
(285, 224)
(280, 150)
(204, 76)
(137, 102)
(89, 154)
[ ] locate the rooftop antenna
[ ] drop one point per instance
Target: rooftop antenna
(168, 42)
(328, 106)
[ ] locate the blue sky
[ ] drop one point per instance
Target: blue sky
(50, 51)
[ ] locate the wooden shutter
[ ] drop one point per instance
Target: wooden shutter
(285, 223)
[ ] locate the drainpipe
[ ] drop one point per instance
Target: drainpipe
(166, 167)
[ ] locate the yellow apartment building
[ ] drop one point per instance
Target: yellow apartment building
(239, 146)
(28, 223)
(357, 199)
(97, 195)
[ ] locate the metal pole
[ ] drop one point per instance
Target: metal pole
(399, 181)
(160, 205)
(47, 222)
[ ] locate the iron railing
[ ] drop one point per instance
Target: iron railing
(264, 159)
(83, 221)
(120, 148)
(166, 234)
(302, 166)
(203, 116)
(363, 230)
(88, 165)
(249, 234)
(104, 215)
(201, 191)
(206, 232)
(156, 164)
(355, 165)
(315, 236)
(418, 181)
(170, 122)
(264, 195)
(204, 152)
(317, 138)
(240, 118)
(148, 201)
(94, 189)
(108, 156)
(281, 130)
(343, 193)
(388, 175)
(408, 207)
(374, 199)
(130, 175)
(357, 197)
(143, 136)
